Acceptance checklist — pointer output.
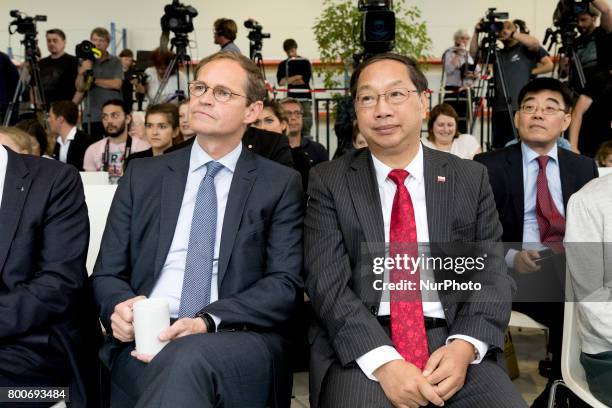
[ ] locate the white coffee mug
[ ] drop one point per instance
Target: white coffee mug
(151, 317)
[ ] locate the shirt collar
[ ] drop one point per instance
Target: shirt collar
(530, 155)
(414, 168)
(199, 157)
(3, 159)
(70, 136)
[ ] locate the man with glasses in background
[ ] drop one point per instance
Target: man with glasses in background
(532, 182)
(315, 151)
(369, 347)
(216, 230)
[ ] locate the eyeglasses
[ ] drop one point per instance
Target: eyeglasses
(392, 96)
(220, 93)
(297, 114)
(530, 109)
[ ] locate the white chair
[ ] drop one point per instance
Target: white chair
(94, 177)
(571, 368)
(98, 199)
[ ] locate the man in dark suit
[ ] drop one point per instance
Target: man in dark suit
(44, 232)
(71, 142)
(367, 348)
(532, 182)
(215, 230)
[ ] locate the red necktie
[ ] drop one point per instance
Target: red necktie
(407, 322)
(550, 222)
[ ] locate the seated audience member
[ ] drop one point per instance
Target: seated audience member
(186, 132)
(215, 230)
(372, 347)
(315, 151)
(155, 74)
(443, 134)
(71, 142)
(359, 141)
(272, 119)
(38, 136)
(604, 154)
(532, 182)
(48, 330)
(110, 153)
(18, 140)
(161, 129)
(225, 31)
(588, 243)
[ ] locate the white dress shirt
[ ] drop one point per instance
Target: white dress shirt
(415, 184)
(3, 164)
(170, 283)
(64, 146)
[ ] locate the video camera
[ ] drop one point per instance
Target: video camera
(86, 50)
(491, 23)
(255, 34)
(567, 12)
(377, 26)
(178, 18)
(23, 23)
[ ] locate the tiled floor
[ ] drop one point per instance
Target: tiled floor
(529, 345)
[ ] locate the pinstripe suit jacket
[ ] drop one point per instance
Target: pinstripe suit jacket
(344, 211)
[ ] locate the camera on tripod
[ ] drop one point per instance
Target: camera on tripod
(178, 18)
(255, 34)
(377, 26)
(23, 23)
(492, 22)
(567, 12)
(86, 50)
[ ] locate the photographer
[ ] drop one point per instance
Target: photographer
(58, 71)
(106, 83)
(225, 32)
(521, 58)
(459, 75)
(593, 44)
(155, 74)
(127, 63)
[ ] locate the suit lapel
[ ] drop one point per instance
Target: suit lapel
(242, 183)
(439, 195)
(16, 188)
(173, 189)
(514, 174)
(568, 177)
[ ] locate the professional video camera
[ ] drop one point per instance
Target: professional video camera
(377, 26)
(256, 37)
(491, 23)
(178, 18)
(87, 50)
(23, 23)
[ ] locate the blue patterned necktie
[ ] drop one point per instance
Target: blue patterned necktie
(201, 249)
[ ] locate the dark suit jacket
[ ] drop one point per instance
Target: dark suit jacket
(76, 150)
(270, 145)
(505, 168)
(344, 211)
(260, 255)
(44, 233)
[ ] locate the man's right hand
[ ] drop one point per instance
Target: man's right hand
(524, 261)
(85, 66)
(405, 386)
(121, 320)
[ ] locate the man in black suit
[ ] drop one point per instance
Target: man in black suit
(362, 352)
(532, 182)
(44, 232)
(71, 142)
(226, 347)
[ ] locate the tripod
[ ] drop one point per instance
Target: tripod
(567, 34)
(492, 62)
(179, 43)
(31, 61)
(255, 56)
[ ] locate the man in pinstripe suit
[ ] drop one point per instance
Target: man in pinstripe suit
(354, 362)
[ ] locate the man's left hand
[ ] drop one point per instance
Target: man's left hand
(180, 328)
(447, 367)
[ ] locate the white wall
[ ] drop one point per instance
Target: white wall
(281, 18)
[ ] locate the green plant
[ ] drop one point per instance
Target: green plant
(337, 34)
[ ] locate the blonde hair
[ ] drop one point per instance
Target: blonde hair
(19, 137)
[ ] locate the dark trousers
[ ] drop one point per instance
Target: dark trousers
(486, 384)
(459, 102)
(501, 128)
(97, 130)
(227, 369)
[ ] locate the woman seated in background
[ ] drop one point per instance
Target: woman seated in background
(443, 134)
(604, 154)
(186, 132)
(38, 136)
(15, 139)
(161, 129)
